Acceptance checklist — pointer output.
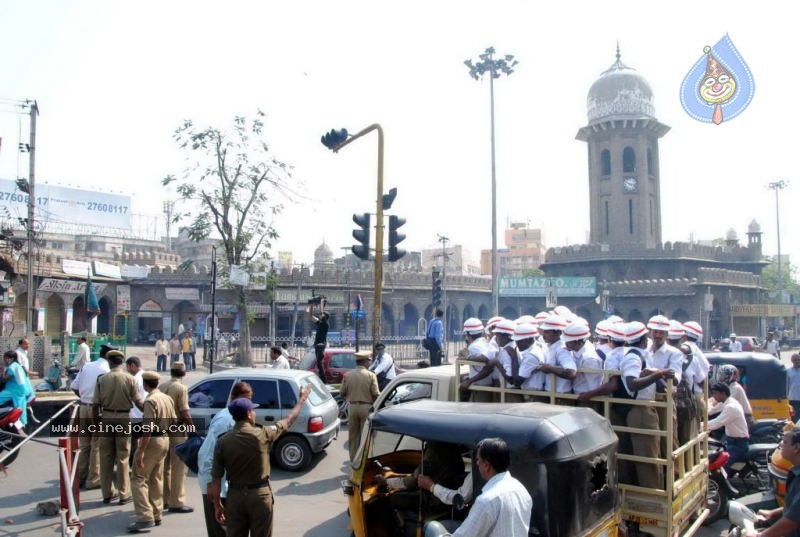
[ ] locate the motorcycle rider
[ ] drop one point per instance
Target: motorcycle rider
(728, 374)
(730, 417)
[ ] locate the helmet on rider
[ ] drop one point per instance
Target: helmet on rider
(726, 374)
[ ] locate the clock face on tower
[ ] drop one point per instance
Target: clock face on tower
(629, 184)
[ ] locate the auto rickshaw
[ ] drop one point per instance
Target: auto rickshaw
(764, 379)
(564, 456)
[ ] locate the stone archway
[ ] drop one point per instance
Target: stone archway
(454, 322)
(79, 321)
(408, 325)
(509, 313)
(483, 313)
(387, 320)
(54, 315)
(104, 317)
(468, 312)
(635, 315)
(680, 315)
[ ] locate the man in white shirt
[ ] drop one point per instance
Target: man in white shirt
(382, 365)
(22, 355)
(83, 354)
(575, 338)
(134, 366)
(771, 346)
(83, 385)
(484, 351)
(735, 346)
(558, 359)
(793, 385)
(162, 350)
(279, 361)
(531, 358)
(731, 418)
(504, 505)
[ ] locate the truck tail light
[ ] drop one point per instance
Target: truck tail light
(315, 424)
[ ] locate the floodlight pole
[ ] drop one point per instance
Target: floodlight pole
(377, 304)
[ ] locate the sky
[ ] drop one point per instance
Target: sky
(114, 79)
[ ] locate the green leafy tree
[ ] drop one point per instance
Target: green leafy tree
(770, 280)
(229, 191)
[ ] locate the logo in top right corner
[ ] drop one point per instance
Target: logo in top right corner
(719, 86)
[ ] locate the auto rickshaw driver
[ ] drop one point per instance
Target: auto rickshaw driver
(442, 462)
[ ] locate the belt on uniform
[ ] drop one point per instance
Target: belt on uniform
(240, 486)
(86, 404)
(360, 403)
(117, 411)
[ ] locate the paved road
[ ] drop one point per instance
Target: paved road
(308, 504)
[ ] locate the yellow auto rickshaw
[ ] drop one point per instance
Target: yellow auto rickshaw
(564, 456)
(763, 378)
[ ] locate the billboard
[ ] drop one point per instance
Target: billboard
(537, 286)
(67, 205)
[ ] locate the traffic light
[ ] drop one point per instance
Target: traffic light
(396, 238)
(361, 234)
(388, 199)
(334, 138)
(437, 289)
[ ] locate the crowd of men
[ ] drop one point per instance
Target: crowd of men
(129, 423)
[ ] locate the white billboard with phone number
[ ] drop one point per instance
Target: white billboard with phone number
(70, 205)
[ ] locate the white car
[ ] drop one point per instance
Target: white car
(276, 391)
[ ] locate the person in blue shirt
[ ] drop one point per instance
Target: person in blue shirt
(435, 336)
(17, 388)
(220, 424)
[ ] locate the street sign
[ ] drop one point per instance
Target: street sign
(566, 286)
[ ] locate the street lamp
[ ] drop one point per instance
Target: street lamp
(335, 140)
(778, 186)
(496, 67)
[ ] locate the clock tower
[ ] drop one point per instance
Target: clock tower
(624, 181)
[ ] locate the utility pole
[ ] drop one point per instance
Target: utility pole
(443, 240)
(296, 300)
(34, 111)
(167, 208)
(213, 322)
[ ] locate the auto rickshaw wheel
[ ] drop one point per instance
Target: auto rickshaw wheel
(716, 501)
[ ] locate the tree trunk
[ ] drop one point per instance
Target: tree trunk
(245, 354)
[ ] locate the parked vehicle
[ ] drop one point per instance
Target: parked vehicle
(276, 391)
(564, 456)
(336, 363)
(764, 379)
(11, 431)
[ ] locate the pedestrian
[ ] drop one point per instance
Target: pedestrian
(434, 338)
(504, 505)
(279, 361)
(382, 365)
(17, 386)
(114, 396)
(152, 449)
(735, 346)
(360, 389)
(793, 386)
(22, 353)
(134, 366)
(187, 348)
(162, 350)
(174, 349)
(242, 455)
(221, 423)
(320, 336)
(771, 346)
(83, 354)
(174, 468)
(83, 385)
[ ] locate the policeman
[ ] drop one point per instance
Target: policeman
(114, 396)
(174, 468)
(159, 414)
(360, 388)
(243, 454)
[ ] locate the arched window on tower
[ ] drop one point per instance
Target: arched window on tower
(650, 169)
(630, 216)
(628, 160)
(605, 162)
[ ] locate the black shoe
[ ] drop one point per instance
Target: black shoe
(181, 509)
(140, 527)
(109, 500)
(157, 522)
(123, 501)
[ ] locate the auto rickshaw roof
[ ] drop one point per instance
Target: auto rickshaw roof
(764, 376)
(553, 432)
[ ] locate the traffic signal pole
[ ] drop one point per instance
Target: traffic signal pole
(376, 306)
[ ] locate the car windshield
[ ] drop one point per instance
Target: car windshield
(318, 393)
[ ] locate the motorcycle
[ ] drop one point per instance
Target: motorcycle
(11, 433)
(720, 490)
(768, 431)
(341, 402)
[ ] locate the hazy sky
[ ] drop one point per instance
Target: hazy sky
(114, 79)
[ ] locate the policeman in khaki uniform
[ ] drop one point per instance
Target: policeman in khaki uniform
(360, 388)
(174, 468)
(243, 454)
(159, 414)
(114, 396)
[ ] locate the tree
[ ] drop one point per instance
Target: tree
(228, 191)
(769, 279)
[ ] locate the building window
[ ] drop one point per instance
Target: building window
(652, 218)
(649, 161)
(628, 160)
(630, 216)
(606, 218)
(605, 162)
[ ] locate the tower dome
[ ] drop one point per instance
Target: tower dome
(731, 235)
(754, 227)
(620, 93)
(323, 255)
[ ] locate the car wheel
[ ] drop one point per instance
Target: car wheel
(292, 453)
